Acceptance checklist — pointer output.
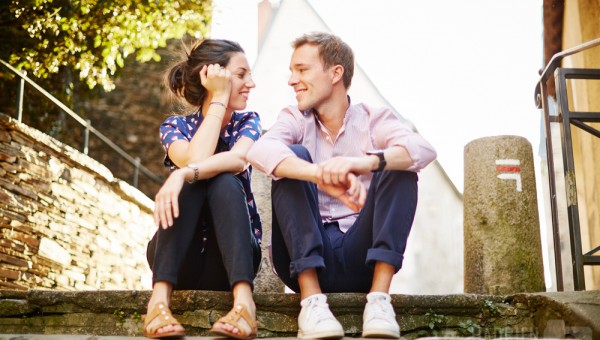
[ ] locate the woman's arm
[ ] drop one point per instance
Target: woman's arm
(233, 161)
(217, 82)
(166, 200)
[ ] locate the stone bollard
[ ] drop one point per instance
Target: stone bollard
(501, 223)
(266, 281)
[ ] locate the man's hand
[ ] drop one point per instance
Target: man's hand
(352, 193)
(166, 205)
(335, 170)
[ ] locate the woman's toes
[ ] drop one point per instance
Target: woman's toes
(166, 329)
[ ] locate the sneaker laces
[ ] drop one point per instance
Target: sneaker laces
(380, 308)
(320, 311)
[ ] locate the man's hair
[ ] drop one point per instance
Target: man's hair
(332, 50)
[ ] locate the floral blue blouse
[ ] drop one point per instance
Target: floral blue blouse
(241, 124)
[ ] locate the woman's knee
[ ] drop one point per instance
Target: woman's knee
(225, 186)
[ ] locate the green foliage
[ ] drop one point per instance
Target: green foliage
(94, 37)
(122, 315)
(435, 321)
(491, 308)
(470, 327)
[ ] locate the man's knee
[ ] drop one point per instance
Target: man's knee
(403, 183)
(399, 177)
(301, 152)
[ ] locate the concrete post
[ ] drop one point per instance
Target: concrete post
(501, 223)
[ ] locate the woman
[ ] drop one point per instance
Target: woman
(209, 229)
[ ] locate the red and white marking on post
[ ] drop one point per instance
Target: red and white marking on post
(510, 169)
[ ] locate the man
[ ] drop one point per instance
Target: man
(345, 190)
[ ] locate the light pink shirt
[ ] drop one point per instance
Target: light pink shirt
(365, 128)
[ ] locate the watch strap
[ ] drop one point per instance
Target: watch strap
(196, 173)
(382, 161)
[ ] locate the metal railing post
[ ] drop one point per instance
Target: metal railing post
(86, 136)
(20, 94)
(136, 171)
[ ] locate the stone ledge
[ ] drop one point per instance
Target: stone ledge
(118, 313)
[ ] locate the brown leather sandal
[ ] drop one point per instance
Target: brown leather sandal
(232, 318)
(163, 313)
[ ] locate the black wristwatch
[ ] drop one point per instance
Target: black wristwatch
(382, 162)
(194, 167)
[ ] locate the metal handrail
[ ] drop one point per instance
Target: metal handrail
(138, 167)
(541, 101)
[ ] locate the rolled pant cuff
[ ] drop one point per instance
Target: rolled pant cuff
(234, 281)
(298, 266)
(388, 256)
(172, 279)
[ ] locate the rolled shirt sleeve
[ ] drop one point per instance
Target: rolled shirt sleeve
(273, 147)
(388, 130)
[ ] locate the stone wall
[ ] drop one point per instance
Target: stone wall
(65, 221)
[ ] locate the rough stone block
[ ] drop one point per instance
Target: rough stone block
(15, 261)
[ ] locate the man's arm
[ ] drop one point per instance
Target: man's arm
(274, 146)
(296, 168)
(272, 155)
(396, 157)
(389, 132)
(351, 192)
(335, 170)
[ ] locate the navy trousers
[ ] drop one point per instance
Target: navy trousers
(211, 245)
(344, 261)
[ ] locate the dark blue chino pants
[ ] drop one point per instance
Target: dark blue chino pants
(344, 261)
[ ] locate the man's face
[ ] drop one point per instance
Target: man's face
(312, 84)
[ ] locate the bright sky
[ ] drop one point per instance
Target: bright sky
(459, 70)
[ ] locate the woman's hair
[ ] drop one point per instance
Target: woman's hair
(183, 78)
(332, 50)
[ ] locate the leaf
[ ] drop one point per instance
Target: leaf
(95, 36)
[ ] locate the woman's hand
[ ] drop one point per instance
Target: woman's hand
(166, 205)
(217, 81)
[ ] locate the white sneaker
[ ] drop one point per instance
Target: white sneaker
(379, 319)
(316, 320)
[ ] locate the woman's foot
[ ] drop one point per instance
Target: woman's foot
(159, 322)
(239, 323)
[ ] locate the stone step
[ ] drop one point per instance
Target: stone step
(94, 337)
(119, 314)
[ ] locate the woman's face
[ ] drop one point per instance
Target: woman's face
(241, 81)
